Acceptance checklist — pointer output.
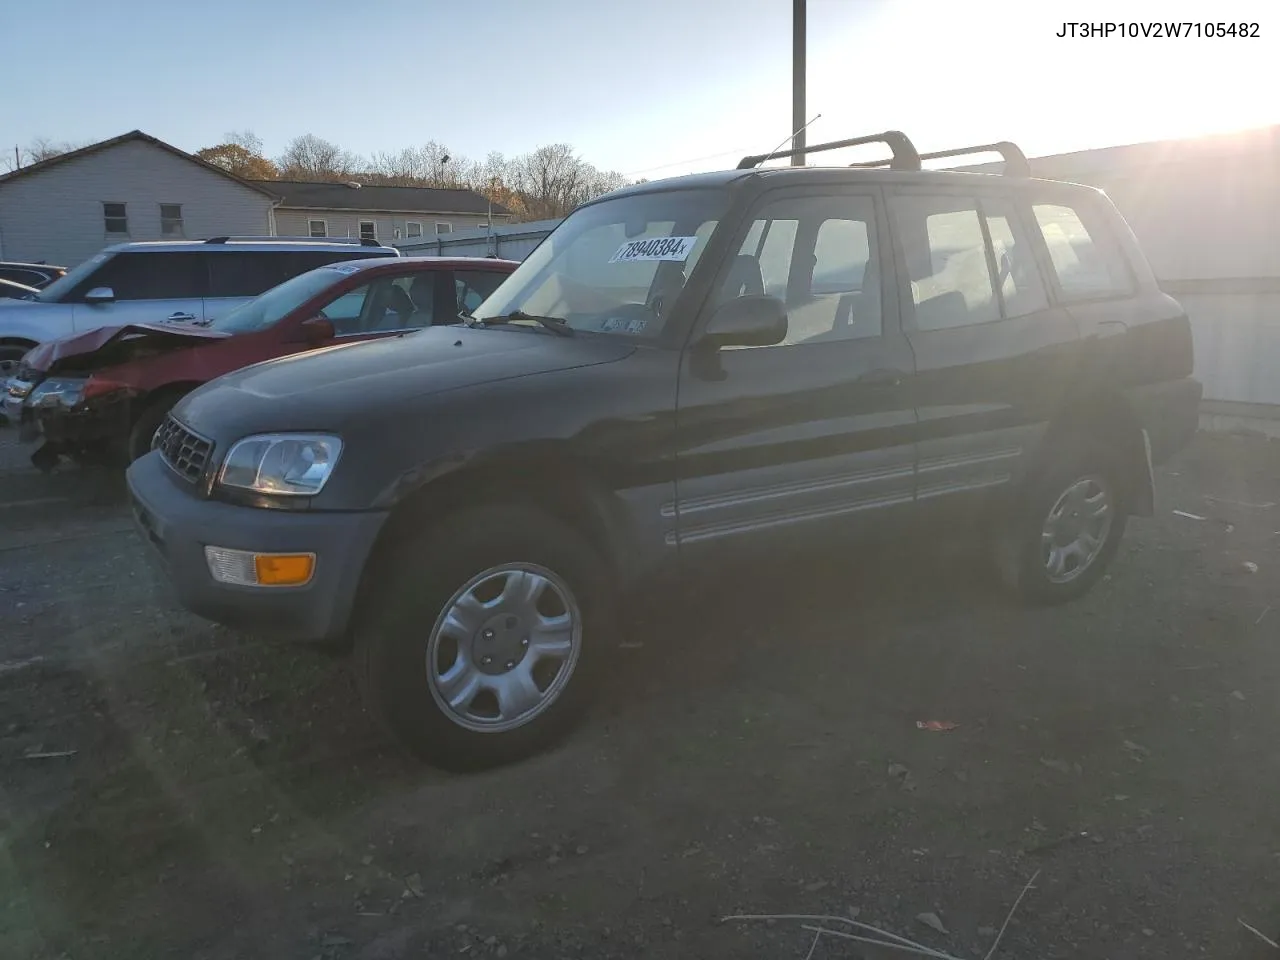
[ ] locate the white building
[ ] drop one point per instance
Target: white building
(382, 213)
(132, 187)
(135, 187)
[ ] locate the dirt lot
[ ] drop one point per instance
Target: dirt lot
(228, 797)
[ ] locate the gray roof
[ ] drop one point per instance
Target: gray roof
(338, 196)
(125, 138)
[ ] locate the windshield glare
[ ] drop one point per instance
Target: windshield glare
(55, 291)
(614, 267)
(269, 308)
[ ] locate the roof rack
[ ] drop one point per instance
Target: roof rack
(1015, 161)
(905, 155)
(360, 241)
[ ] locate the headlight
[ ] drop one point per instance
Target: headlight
(296, 464)
(56, 392)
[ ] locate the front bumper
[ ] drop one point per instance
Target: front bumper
(71, 424)
(178, 525)
(13, 397)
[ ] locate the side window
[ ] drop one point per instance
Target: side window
(29, 277)
(246, 274)
(817, 255)
(347, 311)
(1085, 257)
(473, 286)
(149, 276)
(946, 260)
(387, 304)
(1017, 278)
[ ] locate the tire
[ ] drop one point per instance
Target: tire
(145, 426)
(407, 650)
(1039, 557)
(10, 356)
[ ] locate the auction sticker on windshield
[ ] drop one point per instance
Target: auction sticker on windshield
(657, 248)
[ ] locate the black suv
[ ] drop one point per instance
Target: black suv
(683, 372)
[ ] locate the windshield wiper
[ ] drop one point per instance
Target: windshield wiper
(557, 325)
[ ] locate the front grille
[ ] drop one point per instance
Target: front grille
(186, 452)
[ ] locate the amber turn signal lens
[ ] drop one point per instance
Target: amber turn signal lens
(283, 569)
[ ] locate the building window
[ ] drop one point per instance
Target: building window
(114, 218)
(317, 228)
(368, 230)
(442, 227)
(170, 219)
(412, 229)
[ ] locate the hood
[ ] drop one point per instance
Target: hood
(115, 345)
(329, 388)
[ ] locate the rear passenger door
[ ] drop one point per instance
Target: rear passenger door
(811, 437)
(994, 357)
(146, 288)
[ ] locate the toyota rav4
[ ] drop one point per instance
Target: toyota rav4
(684, 371)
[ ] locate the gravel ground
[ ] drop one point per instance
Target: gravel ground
(171, 788)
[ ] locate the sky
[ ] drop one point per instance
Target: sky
(649, 88)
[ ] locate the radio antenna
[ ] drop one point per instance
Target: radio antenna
(789, 137)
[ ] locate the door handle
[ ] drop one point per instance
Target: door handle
(882, 378)
(179, 315)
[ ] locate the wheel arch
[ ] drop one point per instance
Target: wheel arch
(544, 476)
(25, 344)
(1109, 419)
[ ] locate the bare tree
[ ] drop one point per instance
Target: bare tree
(247, 139)
(309, 157)
(552, 180)
(41, 148)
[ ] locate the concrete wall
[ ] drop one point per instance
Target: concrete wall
(56, 214)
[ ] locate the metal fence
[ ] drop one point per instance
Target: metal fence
(508, 241)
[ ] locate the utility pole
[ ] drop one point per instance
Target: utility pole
(797, 79)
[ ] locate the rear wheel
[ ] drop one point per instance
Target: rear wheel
(478, 646)
(1069, 526)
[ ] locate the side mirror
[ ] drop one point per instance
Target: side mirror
(100, 295)
(751, 321)
(316, 330)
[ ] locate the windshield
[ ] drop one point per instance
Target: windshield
(271, 307)
(55, 291)
(614, 267)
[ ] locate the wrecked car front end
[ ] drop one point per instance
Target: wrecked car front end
(79, 396)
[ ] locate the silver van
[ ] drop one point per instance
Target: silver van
(191, 281)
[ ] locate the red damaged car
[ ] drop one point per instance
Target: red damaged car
(99, 396)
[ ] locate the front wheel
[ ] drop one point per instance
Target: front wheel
(11, 355)
(477, 647)
(1068, 528)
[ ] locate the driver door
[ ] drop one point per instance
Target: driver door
(814, 436)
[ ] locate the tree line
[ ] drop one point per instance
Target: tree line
(543, 184)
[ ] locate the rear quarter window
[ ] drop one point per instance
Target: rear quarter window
(1086, 257)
